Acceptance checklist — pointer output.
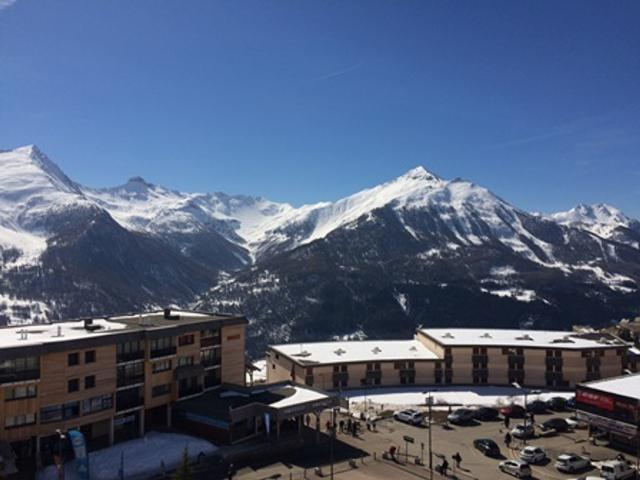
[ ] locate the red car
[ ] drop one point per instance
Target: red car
(512, 411)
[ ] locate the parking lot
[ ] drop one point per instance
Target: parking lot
(448, 440)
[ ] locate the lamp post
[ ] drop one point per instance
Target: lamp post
(519, 387)
(430, 403)
(60, 462)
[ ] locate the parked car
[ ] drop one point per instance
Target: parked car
(532, 454)
(523, 431)
(516, 468)
(412, 417)
(574, 423)
(461, 416)
(617, 470)
(537, 406)
(513, 411)
(486, 414)
(570, 403)
(557, 404)
(487, 446)
(570, 462)
(557, 423)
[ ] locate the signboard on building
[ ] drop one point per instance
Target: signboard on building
(594, 399)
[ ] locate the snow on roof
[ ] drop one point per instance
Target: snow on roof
(301, 395)
(517, 338)
(356, 351)
(627, 385)
(37, 334)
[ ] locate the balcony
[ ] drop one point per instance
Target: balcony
(130, 356)
(19, 376)
(479, 358)
(188, 391)
(188, 371)
(129, 401)
(373, 374)
(163, 352)
(407, 372)
(554, 362)
(210, 362)
(209, 341)
(130, 380)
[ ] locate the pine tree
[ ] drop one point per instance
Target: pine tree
(184, 472)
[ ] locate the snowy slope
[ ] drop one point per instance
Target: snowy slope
(601, 219)
(32, 188)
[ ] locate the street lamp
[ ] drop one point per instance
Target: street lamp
(430, 403)
(525, 393)
(60, 463)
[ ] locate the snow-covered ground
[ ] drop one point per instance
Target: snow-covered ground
(143, 457)
(259, 375)
(405, 397)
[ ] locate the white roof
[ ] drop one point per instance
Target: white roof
(301, 395)
(37, 334)
(356, 351)
(628, 386)
(517, 338)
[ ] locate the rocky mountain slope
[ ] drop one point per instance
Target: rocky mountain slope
(416, 250)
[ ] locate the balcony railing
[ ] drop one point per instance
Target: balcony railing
(130, 356)
(130, 380)
(210, 341)
(340, 376)
(210, 362)
(187, 391)
(19, 376)
(163, 352)
(128, 403)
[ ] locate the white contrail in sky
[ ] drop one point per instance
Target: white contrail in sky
(337, 73)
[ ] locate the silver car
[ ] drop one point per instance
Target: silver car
(516, 468)
(569, 462)
(412, 417)
(532, 454)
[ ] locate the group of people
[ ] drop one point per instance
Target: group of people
(443, 468)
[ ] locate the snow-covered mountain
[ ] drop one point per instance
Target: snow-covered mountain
(604, 220)
(416, 249)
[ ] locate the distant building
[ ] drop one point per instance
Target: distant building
(612, 406)
(452, 356)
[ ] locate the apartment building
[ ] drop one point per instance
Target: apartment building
(451, 356)
(113, 378)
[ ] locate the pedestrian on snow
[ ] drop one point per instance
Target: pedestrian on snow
(532, 418)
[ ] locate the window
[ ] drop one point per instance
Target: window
(186, 340)
(97, 404)
(160, 390)
(73, 359)
(309, 371)
(130, 374)
(73, 385)
(70, 410)
(162, 346)
(20, 420)
(128, 351)
(412, 364)
(23, 391)
(210, 332)
(343, 368)
(52, 413)
(210, 357)
(89, 382)
(336, 369)
(161, 366)
(90, 356)
(185, 361)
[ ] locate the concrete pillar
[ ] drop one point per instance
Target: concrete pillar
(317, 427)
(111, 431)
(277, 429)
(299, 424)
(141, 423)
(168, 415)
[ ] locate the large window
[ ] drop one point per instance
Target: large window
(185, 361)
(20, 420)
(160, 390)
(73, 359)
(90, 356)
(130, 374)
(210, 337)
(97, 404)
(161, 366)
(186, 340)
(128, 351)
(19, 369)
(162, 346)
(210, 357)
(22, 391)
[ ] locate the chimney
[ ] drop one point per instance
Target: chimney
(87, 323)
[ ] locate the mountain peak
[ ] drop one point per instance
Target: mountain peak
(420, 172)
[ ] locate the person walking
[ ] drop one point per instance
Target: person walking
(458, 459)
(507, 440)
(506, 421)
(341, 426)
(445, 467)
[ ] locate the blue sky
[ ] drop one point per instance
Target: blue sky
(305, 101)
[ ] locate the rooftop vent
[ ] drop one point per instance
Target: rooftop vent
(303, 353)
(486, 335)
(414, 349)
(376, 350)
(24, 334)
(169, 316)
(526, 336)
(58, 332)
(339, 351)
(565, 339)
(447, 335)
